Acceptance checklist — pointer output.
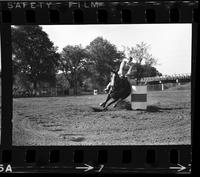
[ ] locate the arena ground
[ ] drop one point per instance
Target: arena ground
(72, 121)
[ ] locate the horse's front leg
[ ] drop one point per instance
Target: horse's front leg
(110, 103)
(107, 99)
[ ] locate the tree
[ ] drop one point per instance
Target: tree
(62, 81)
(103, 57)
(150, 71)
(73, 63)
(34, 55)
(143, 61)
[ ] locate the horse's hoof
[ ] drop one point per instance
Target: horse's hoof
(105, 109)
(102, 104)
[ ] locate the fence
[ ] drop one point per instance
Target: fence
(164, 86)
(57, 91)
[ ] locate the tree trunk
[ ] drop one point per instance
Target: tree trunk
(137, 76)
(34, 88)
(75, 84)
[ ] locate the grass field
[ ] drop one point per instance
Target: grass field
(72, 121)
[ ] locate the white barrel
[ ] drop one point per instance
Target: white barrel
(162, 87)
(139, 97)
(95, 92)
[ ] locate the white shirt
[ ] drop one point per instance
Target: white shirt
(123, 65)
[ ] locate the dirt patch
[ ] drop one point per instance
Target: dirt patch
(73, 121)
(78, 139)
(124, 105)
(98, 109)
(154, 108)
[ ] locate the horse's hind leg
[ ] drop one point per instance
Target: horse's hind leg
(117, 102)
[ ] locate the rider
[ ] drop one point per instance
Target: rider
(126, 63)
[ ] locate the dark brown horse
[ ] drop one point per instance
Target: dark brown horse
(119, 90)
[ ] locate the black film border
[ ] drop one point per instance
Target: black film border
(131, 159)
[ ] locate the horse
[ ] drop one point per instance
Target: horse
(119, 90)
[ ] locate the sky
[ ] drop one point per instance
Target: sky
(171, 44)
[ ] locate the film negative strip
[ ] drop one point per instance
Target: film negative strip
(63, 61)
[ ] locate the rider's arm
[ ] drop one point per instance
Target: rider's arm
(129, 71)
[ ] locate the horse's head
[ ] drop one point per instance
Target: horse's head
(115, 80)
